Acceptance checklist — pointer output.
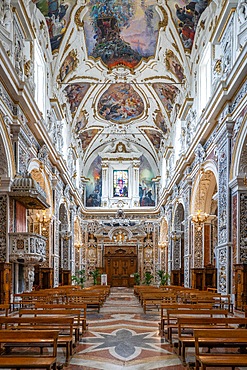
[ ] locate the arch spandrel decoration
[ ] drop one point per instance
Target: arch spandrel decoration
(120, 103)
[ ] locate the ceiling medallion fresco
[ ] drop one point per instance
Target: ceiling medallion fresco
(120, 103)
(173, 65)
(167, 94)
(57, 14)
(75, 93)
(161, 123)
(187, 15)
(121, 32)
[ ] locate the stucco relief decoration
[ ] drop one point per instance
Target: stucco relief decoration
(120, 103)
(69, 65)
(186, 15)
(121, 32)
(243, 228)
(173, 65)
(75, 93)
(167, 94)
(57, 15)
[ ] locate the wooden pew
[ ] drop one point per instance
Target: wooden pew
(29, 339)
(54, 312)
(173, 314)
(187, 325)
(156, 299)
(214, 338)
(63, 324)
(91, 299)
(5, 308)
(67, 306)
(165, 306)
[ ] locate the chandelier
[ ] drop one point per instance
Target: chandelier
(199, 217)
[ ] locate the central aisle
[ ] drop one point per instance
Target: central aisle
(121, 336)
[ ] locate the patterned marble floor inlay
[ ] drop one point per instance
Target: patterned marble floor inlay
(121, 336)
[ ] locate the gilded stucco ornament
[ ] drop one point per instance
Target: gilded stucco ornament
(78, 21)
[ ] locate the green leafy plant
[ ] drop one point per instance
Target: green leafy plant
(95, 274)
(148, 277)
(79, 278)
(164, 277)
(137, 278)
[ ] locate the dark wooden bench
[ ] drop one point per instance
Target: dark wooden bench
(5, 308)
(91, 299)
(187, 325)
(22, 338)
(64, 324)
(214, 338)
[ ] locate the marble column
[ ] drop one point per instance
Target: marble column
(223, 249)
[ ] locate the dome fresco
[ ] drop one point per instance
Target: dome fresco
(120, 103)
(121, 32)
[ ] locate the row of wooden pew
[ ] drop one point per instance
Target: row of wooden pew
(45, 319)
(200, 319)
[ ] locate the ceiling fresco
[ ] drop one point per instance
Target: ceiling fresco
(86, 137)
(155, 137)
(167, 94)
(121, 32)
(186, 15)
(120, 103)
(57, 14)
(75, 93)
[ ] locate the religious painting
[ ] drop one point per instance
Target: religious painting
(69, 64)
(155, 138)
(120, 183)
(161, 123)
(81, 121)
(57, 15)
(167, 94)
(121, 33)
(173, 65)
(75, 93)
(186, 15)
(94, 184)
(146, 185)
(120, 103)
(87, 136)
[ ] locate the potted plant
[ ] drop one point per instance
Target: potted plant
(137, 278)
(148, 277)
(79, 278)
(164, 277)
(95, 274)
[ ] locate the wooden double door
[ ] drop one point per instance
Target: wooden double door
(120, 265)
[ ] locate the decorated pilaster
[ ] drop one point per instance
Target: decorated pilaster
(223, 249)
(187, 229)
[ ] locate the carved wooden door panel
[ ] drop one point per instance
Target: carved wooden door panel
(119, 268)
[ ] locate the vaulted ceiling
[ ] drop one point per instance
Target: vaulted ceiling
(122, 69)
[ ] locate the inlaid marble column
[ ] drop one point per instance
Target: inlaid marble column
(223, 249)
(187, 228)
(170, 242)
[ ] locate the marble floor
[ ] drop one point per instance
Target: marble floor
(121, 336)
